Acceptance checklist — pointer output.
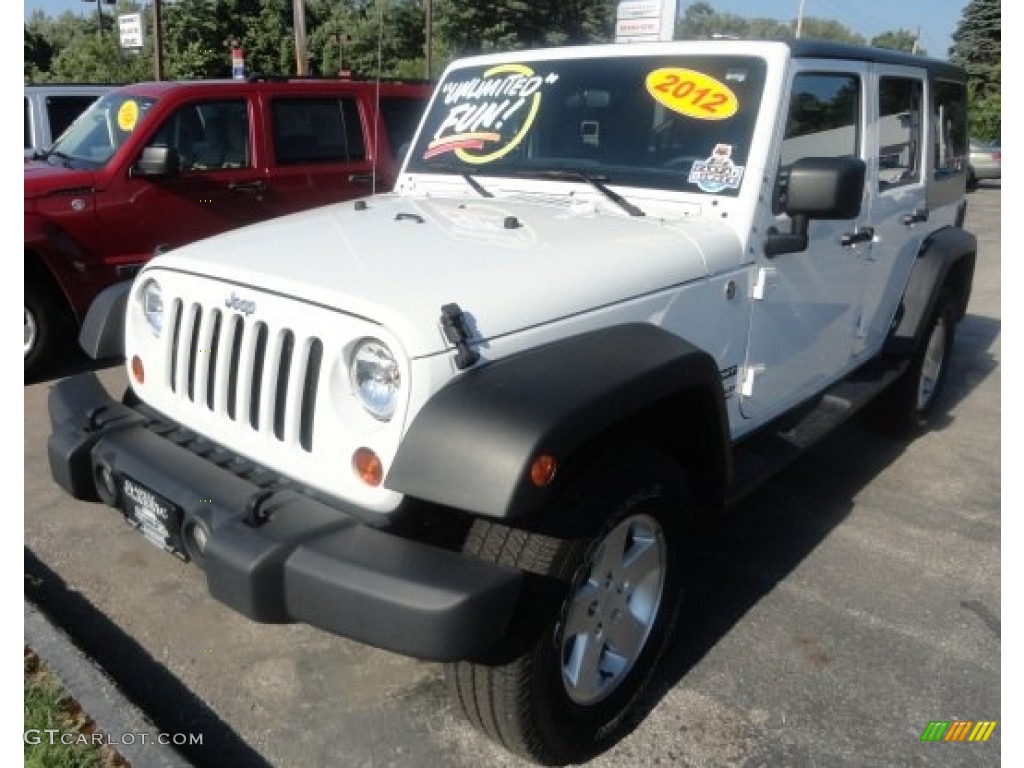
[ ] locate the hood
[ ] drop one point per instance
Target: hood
(508, 264)
(43, 179)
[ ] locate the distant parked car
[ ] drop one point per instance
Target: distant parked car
(50, 109)
(985, 162)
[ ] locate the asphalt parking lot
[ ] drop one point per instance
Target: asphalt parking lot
(849, 603)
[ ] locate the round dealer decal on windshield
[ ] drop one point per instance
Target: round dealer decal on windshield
(128, 116)
(488, 116)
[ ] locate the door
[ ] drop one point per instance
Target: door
(217, 188)
(319, 152)
(899, 210)
(806, 305)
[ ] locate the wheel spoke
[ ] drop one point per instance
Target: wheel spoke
(583, 669)
(642, 559)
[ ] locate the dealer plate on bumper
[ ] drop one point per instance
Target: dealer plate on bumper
(154, 516)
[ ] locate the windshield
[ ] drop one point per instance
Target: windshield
(667, 122)
(95, 136)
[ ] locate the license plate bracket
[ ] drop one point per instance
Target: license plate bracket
(152, 515)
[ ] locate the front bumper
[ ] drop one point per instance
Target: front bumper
(277, 555)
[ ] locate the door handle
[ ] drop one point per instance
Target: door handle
(861, 235)
(360, 178)
(920, 214)
(248, 187)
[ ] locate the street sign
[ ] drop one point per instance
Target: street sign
(132, 32)
(645, 20)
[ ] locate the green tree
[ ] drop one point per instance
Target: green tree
(977, 46)
(899, 40)
(827, 29)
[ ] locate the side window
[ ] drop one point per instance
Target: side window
(317, 131)
(62, 111)
(209, 135)
(899, 131)
(824, 115)
(950, 133)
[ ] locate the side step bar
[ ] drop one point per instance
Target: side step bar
(772, 449)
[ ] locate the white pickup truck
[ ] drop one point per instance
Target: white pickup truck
(474, 420)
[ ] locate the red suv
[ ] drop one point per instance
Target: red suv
(153, 166)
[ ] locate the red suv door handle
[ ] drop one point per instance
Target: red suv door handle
(248, 187)
(360, 178)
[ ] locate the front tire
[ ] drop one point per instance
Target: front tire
(569, 693)
(40, 328)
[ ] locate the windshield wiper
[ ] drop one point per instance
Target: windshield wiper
(480, 188)
(65, 159)
(594, 181)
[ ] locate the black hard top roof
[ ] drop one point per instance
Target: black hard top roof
(820, 49)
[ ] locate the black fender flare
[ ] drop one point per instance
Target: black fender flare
(102, 333)
(950, 251)
(472, 444)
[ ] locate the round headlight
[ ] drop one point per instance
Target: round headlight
(152, 299)
(376, 380)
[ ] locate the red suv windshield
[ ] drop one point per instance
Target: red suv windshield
(98, 133)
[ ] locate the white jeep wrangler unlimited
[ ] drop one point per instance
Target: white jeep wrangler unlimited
(473, 420)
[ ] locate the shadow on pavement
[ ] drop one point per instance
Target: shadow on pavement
(168, 704)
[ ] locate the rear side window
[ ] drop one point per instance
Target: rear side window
(950, 134)
(62, 111)
(899, 131)
(400, 116)
(321, 130)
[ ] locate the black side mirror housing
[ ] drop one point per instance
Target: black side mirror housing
(156, 161)
(817, 188)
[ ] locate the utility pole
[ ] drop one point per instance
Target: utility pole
(800, 19)
(917, 41)
(301, 53)
(428, 25)
(99, 13)
(158, 43)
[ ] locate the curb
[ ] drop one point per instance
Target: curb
(124, 724)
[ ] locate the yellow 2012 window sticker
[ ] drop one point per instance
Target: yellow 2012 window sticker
(692, 93)
(128, 116)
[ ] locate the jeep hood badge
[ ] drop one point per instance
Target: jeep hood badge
(245, 306)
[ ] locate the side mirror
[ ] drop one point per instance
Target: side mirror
(816, 188)
(157, 161)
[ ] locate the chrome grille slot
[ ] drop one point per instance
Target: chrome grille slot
(259, 356)
(281, 394)
(195, 350)
(235, 334)
(213, 358)
(173, 334)
(309, 390)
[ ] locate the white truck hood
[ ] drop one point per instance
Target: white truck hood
(509, 264)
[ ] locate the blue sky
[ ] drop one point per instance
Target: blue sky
(936, 18)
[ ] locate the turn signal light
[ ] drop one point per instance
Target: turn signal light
(138, 370)
(542, 470)
(368, 467)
